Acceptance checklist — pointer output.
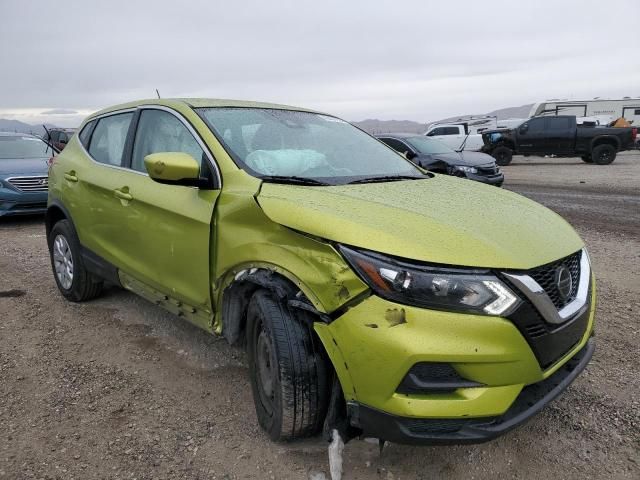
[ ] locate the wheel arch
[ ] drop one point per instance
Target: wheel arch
(235, 298)
(56, 212)
(606, 140)
(241, 282)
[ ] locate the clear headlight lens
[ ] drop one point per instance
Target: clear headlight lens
(463, 168)
(453, 289)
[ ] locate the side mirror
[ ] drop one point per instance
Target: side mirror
(173, 168)
(409, 155)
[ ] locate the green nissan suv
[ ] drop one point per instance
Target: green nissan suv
(373, 297)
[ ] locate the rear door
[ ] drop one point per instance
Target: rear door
(166, 230)
(560, 134)
(89, 184)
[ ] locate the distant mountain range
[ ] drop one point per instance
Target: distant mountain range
(21, 127)
(370, 125)
(375, 126)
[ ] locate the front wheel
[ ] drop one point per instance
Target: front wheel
(73, 280)
(288, 372)
(503, 155)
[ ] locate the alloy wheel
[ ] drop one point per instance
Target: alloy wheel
(63, 261)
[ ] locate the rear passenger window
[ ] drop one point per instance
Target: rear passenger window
(444, 131)
(108, 139)
(397, 145)
(160, 131)
(560, 123)
(85, 133)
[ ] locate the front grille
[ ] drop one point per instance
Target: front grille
(30, 184)
(426, 426)
(546, 278)
(488, 170)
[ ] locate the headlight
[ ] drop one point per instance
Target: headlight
(463, 168)
(440, 288)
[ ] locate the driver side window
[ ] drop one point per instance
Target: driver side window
(535, 125)
(160, 131)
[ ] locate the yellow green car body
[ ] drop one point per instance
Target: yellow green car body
(186, 248)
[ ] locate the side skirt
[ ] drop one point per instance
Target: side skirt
(199, 317)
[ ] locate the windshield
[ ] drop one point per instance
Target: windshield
(302, 145)
(14, 146)
(428, 146)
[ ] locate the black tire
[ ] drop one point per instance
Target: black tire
(603, 154)
(288, 370)
(83, 285)
(587, 159)
(503, 155)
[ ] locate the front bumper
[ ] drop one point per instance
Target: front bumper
(23, 204)
(376, 343)
(496, 180)
(17, 202)
(417, 431)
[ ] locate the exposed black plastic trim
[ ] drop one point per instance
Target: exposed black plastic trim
(426, 431)
(99, 266)
(433, 377)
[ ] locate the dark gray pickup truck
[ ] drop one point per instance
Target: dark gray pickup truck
(559, 136)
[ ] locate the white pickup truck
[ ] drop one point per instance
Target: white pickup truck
(454, 135)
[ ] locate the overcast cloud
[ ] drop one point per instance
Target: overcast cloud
(420, 60)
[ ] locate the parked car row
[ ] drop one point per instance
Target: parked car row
(436, 156)
(23, 174)
(374, 298)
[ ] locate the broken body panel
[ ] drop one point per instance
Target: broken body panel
(189, 247)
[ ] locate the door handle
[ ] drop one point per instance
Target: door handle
(123, 195)
(71, 176)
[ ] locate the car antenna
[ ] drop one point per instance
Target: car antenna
(158, 93)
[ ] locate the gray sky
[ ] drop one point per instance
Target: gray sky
(419, 60)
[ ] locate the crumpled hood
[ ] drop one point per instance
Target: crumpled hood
(474, 159)
(441, 220)
(468, 158)
(23, 166)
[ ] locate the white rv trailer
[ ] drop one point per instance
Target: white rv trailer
(600, 108)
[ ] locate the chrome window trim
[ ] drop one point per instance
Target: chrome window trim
(536, 294)
(173, 112)
(191, 130)
(98, 117)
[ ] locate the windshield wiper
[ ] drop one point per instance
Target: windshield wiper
(387, 178)
(292, 179)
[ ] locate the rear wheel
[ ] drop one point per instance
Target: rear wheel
(503, 155)
(73, 280)
(288, 372)
(603, 154)
(587, 159)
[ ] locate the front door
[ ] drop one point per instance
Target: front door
(167, 229)
(532, 137)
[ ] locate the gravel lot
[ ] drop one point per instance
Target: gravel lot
(117, 388)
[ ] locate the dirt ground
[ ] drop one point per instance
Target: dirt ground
(117, 388)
